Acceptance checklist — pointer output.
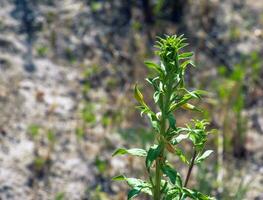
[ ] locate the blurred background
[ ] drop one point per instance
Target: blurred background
(68, 68)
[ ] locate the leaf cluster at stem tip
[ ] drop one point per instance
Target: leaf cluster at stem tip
(170, 94)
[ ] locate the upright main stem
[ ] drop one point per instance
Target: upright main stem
(158, 172)
(157, 191)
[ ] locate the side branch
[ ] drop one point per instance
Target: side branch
(190, 169)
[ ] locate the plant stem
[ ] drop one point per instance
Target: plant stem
(190, 169)
(165, 104)
(157, 193)
(158, 173)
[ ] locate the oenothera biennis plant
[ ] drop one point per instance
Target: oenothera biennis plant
(170, 94)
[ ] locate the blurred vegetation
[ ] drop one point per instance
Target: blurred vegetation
(104, 44)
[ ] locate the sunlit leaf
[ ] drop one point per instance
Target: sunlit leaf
(181, 155)
(179, 138)
(136, 184)
(203, 156)
(119, 178)
(187, 62)
(185, 55)
(138, 95)
(188, 106)
(133, 152)
(154, 66)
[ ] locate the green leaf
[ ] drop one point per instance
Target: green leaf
(173, 194)
(164, 186)
(172, 174)
(179, 138)
(201, 93)
(152, 155)
(154, 121)
(119, 178)
(133, 152)
(156, 96)
(172, 121)
(187, 62)
(194, 94)
(181, 155)
(182, 45)
(185, 55)
(138, 95)
(185, 99)
(153, 82)
(203, 156)
(135, 183)
(134, 192)
(144, 109)
(193, 194)
(154, 66)
(188, 106)
(189, 193)
(132, 182)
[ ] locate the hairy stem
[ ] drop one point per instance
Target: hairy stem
(190, 169)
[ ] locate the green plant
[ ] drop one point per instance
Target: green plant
(87, 113)
(42, 51)
(100, 164)
(41, 161)
(231, 87)
(229, 189)
(33, 130)
(229, 105)
(170, 94)
(60, 196)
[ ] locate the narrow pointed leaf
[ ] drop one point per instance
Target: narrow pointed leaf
(134, 192)
(203, 156)
(188, 106)
(133, 152)
(172, 121)
(119, 178)
(171, 173)
(179, 138)
(138, 95)
(185, 55)
(182, 156)
(152, 155)
(187, 62)
(152, 65)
